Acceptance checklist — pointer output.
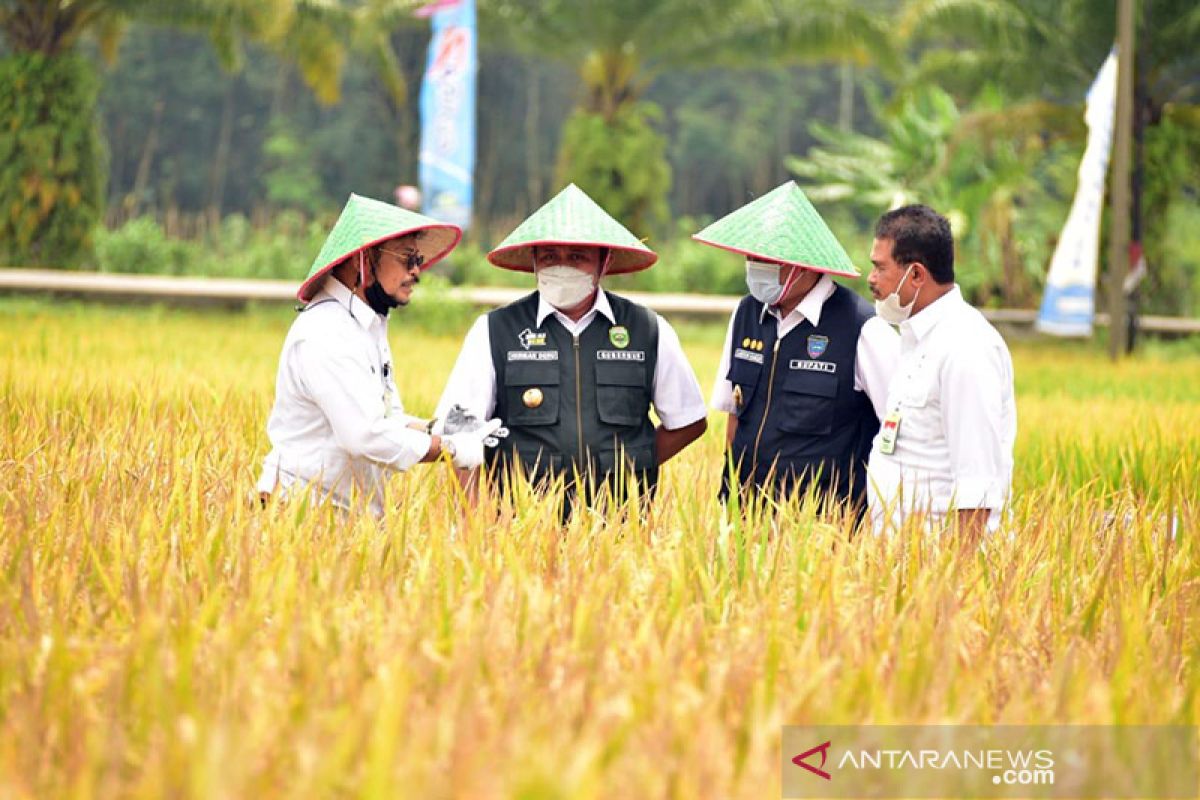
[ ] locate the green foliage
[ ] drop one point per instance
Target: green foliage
(141, 247)
(1171, 217)
(988, 183)
(687, 266)
(291, 178)
(236, 249)
(50, 160)
(1174, 263)
(969, 45)
(283, 251)
(621, 162)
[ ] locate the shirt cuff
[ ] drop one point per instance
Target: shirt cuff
(722, 398)
(682, 418)
(424, 442)
(978, 493)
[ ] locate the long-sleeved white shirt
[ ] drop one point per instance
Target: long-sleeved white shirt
(953, 392)
(874, 356)
(337, 425)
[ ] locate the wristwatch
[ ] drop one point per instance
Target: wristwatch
(429, 426)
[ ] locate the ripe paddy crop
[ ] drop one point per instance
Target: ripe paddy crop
(160, 637)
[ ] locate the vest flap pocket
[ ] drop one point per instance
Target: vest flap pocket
(530, 374)
(744, 377)
(531, 394)
(622, 396)
(744, 373)
(822, 384)
(620, 374)
(807, 402)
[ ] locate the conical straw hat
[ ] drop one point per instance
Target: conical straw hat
(364, 223)
(783, 226)
(572, 218)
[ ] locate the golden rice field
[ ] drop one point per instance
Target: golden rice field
(160, 638)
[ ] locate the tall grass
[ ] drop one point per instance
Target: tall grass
(159, 637)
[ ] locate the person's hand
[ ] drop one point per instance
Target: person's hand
(466, 447)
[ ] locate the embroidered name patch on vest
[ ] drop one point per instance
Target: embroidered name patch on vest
(533, 355)
(748, 355)
(812, 366)
(620, 355)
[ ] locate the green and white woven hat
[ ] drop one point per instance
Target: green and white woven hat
(783, 226)
(572, 218)
(364, 223)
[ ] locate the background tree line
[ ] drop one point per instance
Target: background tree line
(236, 125)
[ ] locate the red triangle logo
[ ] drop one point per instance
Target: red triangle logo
(823, 749)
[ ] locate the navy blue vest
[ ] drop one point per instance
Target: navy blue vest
(801, 424)
(575, 405)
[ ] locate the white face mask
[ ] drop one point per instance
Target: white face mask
(563, 286)
(889, 308)
(763, 282)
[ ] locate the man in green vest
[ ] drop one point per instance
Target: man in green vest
(573, 370)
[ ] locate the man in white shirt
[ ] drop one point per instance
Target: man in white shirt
(806, 364)
(573, 370)
(945, 450)
(337, 425)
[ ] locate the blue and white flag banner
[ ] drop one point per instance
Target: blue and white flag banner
(448, 114)
(1069, 302)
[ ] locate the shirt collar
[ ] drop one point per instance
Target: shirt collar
(920, 324)
(358, 309)
(601, 305)
(810, 305)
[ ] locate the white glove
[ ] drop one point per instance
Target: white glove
(466, 447)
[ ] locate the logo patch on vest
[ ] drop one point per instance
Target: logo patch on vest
(621, 355)
(813, 366)
(537, 355)
(619, 336)
(529, 339)
(747, 355)
(817, 345)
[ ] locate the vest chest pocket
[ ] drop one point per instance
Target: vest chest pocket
(806, 402)
(531, 393)
(744, 376)
(621, 394)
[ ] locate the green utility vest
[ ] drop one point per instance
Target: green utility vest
(575, 405)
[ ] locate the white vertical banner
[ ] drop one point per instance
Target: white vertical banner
(1069, 302)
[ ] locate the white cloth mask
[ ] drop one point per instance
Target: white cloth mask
(889, 308)
(563, 286)
(763, 282)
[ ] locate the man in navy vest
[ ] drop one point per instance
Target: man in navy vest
(806, 364)
(573, 370)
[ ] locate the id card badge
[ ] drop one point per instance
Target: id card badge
(888, 433)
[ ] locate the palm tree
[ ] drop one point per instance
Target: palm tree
(1045, 53)
(50, 176)
(930, 152)
(619, 46)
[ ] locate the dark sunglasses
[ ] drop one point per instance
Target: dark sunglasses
(411, 259)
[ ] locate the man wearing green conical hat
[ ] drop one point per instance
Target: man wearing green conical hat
(806, 364)
(571, 369)
(337, 425)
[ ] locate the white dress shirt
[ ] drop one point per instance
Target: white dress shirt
(676, 394)
(953, 391)
(337, 424)
(874, 357)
